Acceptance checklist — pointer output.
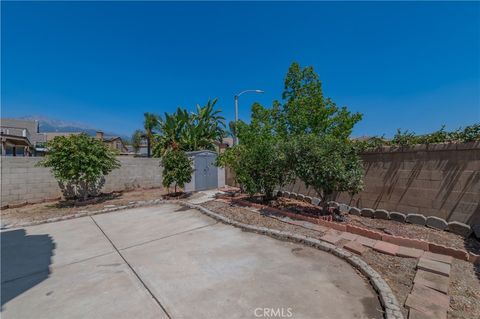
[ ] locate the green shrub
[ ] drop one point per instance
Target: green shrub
(259, 161)
(80, 161)
(177, 169)
(327, 164)
(470, 133)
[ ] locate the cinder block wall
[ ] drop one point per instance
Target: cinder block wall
(434, 180)
(23, 182)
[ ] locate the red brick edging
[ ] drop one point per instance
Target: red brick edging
(397, 240)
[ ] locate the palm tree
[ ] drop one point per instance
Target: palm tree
(150, 122)
(172, 129)
(137, 138)
(190, 131)
(211, 124)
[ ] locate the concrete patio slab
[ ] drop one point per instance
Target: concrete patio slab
(102, 287)
(35, 248)
(140, 225)
(240, 272)
(138, 263)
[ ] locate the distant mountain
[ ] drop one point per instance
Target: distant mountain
(47, 125)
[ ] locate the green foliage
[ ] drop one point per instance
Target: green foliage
(327, 163)
(79, 160)
(190, 131)
(317, 135)
(259, 161)
(470, 133)
(177, 169)
(137, 138)
(306, 136)
(150, 123)
(406, 138)
(361, 145)
(307, 111)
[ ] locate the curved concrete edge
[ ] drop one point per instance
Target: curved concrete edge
(89, 213)
(387, 298)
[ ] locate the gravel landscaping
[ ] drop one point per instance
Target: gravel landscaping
(416, 231)
(464, 290)
(398, 272)
(391, 227)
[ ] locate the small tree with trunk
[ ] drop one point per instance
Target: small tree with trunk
(80, 161)
(259, 161)
(177, 169)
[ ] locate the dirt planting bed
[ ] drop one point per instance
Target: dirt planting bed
(44, 211)
(390, 227)
(246, 216)
(416, 231)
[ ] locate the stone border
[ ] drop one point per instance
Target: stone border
(372, 234)
(434, 222)
(387, 298)
(132, 204)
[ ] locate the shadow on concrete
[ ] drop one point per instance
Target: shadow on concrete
(25, 261)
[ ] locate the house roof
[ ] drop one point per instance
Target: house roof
(111, 138)
(31, 126)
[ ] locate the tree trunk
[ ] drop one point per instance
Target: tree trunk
(327, 197)
(268, 195)
(85, 192)
(148, 146)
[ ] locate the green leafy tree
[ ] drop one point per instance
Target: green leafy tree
(307, 111)
(326, 163)
(150, 123)
(275, 146)
(259, 161)
(80, 161)
(316, 133)
(177, 169)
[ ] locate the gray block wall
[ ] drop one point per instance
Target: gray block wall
(22, 181)
(441, 180)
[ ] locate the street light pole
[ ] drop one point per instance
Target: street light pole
(235, 139)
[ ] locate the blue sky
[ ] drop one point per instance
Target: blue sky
(407, 65)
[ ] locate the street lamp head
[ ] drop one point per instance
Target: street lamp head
(246, 91)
